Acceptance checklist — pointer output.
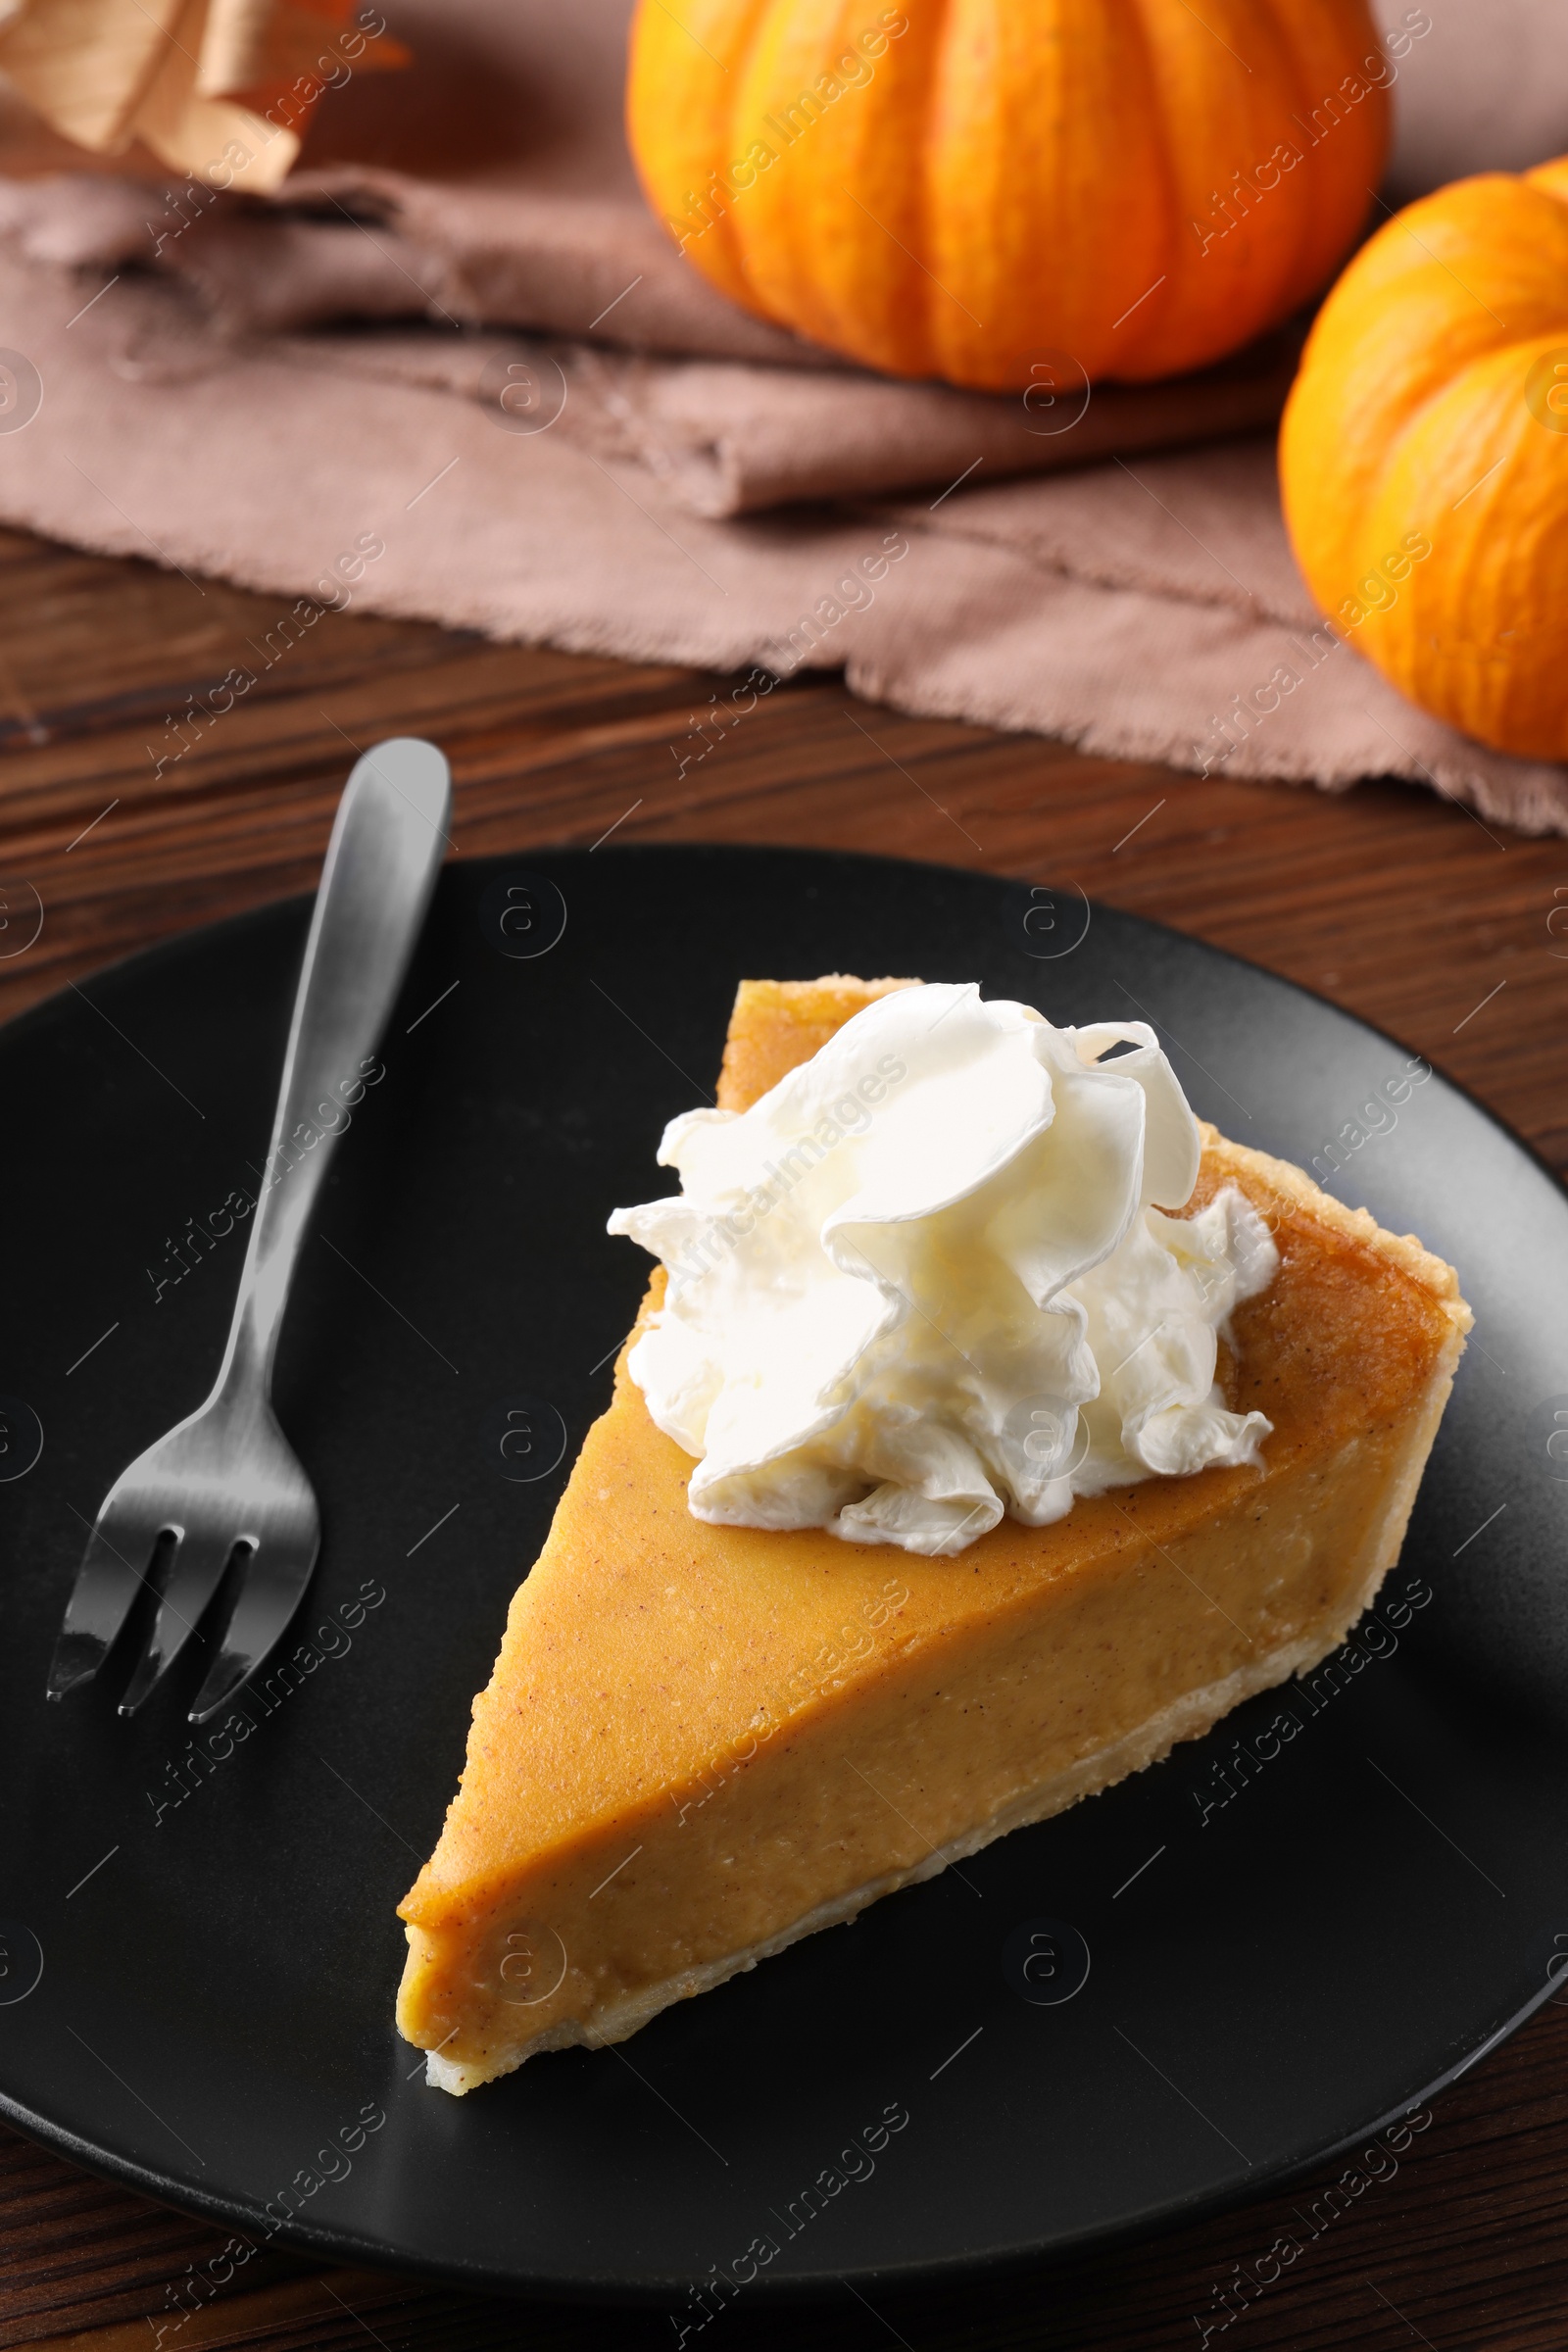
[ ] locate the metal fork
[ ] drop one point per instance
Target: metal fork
(226, 1479)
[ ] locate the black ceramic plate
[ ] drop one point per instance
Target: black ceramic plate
(1271, 1972)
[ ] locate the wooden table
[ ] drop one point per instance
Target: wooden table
(1403, 909)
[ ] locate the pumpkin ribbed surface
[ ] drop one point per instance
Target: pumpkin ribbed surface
(972, 188)
(1424, 457)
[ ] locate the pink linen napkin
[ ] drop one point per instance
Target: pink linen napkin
(548, 428)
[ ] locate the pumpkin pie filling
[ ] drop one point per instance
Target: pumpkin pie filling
(703, 1742)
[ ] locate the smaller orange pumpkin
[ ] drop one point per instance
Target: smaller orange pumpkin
(1424, 457)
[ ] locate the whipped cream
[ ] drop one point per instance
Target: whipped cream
(926, 1280)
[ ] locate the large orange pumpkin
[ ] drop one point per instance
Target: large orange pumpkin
(1424, 457)
(977, 189)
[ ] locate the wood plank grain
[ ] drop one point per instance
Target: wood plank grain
(1407, 911)
(133, 820)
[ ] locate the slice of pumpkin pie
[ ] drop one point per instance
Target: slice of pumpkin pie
(989, 1427)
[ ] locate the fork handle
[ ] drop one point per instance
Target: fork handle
(382, 863)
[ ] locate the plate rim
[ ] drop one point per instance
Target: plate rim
(997, 2265)
(137, 960)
